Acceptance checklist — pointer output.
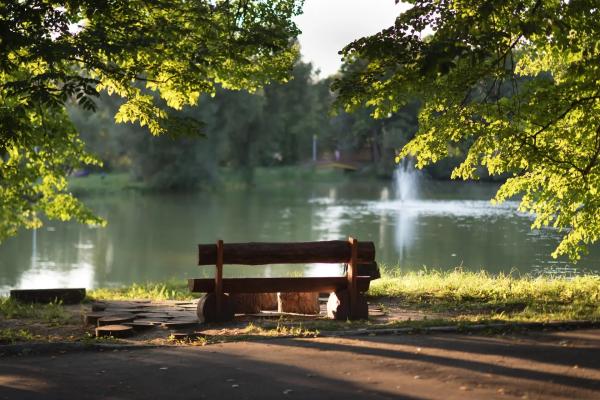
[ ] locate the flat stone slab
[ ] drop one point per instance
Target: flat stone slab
(140, 325)
(153, 321)
(93, 317)
(126, 310)
(114, 320)
(178, 324)
(118, 331)
(153, 315)
(98, 306)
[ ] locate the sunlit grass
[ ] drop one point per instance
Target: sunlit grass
(481, 295)
(169, 290)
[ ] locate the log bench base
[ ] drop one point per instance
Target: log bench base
(207, 308)
(338, 306)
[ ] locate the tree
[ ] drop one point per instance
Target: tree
(518, 79)
(53, 52)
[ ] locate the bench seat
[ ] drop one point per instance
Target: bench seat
(274, 285)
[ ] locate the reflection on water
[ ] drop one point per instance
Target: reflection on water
(449, 208)
(407, 183)
(44, 271)
(154, 237)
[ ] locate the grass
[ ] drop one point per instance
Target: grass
(459, 298)
(229, 179)
(454, 297)
(10, 336)
(53, 313)
(169, 290)
(477, 296)
(95, 184)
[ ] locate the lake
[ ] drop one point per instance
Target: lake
(413, 223)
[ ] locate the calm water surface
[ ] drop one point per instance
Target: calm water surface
(153, 237)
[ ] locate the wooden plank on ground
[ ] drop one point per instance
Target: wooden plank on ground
(65, 296)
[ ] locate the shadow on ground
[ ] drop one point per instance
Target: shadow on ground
(543, 365)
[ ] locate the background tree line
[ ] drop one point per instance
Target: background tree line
(274, 126)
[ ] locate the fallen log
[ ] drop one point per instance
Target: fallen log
(64, 296)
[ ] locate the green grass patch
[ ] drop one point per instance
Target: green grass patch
(458, 297)
(10, 336)
(483, 296)
(228, 179)
(96, 184)
(52, 313)
(169, 290)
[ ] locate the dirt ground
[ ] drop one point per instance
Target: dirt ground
(534, 365)
(381, 312)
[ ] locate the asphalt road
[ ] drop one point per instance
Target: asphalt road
(536, 365)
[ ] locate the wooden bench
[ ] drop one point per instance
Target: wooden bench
(346, 299)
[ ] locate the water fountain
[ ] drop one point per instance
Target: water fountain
(406, 180)
(406, 185)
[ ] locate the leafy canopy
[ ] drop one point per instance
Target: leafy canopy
(519, 79)
(54, 52)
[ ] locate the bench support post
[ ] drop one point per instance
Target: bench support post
(219, 279)
(352, 275)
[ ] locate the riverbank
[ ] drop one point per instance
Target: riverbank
(224, 178)
(415, 300)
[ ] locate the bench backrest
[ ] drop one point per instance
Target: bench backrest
(261, 253)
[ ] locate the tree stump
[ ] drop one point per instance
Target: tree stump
(117, 331)
(338, 306)
(301, 302)
(252, 303)
(93, 317)
(207, 308)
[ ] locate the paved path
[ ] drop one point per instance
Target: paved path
(542, 365)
